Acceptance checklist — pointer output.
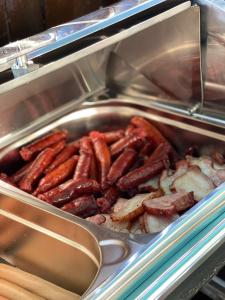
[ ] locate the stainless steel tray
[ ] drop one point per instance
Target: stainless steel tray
(50, 97)
(106, 115)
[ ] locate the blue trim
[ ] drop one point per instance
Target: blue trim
(212, 200)
(177, 256)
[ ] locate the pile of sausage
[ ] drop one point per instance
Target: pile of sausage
(129, 180)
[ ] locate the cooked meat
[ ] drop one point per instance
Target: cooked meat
(194, 181)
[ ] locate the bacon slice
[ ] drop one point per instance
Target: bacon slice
(194, 181)
(154, 224)
(168, 205)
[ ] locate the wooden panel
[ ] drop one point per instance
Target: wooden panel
(61, 11)
(3, 27)
(25, 18)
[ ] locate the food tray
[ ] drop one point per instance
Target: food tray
(51, 97)
(107, 115)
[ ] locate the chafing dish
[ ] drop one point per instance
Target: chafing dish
(122, 75)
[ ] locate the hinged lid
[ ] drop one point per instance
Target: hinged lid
(35, 99)
(213, 57)
(19, 53)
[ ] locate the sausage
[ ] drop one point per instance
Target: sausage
(84, 206)
(65, 154)
(109, 136)
(152, 132)
(103, 156)
(130, 141)
(57, 176)
(121, 165)
(140, 175)
(58, 147)
(106, 202)
(6, 179)
(146, 149)
(83, 168)
(69, 190)
(41, 162)
(161, 153)
(30, 150)
(17, 177)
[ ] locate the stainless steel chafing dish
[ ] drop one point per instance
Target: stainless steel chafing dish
(156, 68)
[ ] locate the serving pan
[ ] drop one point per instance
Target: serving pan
(105, 250)
(51, 97)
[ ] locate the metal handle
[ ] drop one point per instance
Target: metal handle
(114, 251)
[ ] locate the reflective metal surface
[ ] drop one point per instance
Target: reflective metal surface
(213, 58)
(190, 258)
(166, 65)
(64, 34)
(37, 243)
(108, 115)
(143, 72)
(57, 88)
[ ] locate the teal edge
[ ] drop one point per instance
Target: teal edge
(177, 247)
(174, 259)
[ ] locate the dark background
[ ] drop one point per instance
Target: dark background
(23, 18)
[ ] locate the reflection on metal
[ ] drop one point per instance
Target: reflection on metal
(213, 58)
(215, 289)
(83, 74)
(158, 60)
(166, 65)
(64, 34)
(108, 115)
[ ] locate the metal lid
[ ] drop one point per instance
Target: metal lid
(213, 57)
(37, 98)
(19, 53)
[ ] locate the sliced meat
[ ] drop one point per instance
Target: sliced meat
(142, 224)
(206, 165)
(115, 226)
(120, 204)
(159, 206)
(169, 204)
(194, 181)
(131, 211)
(153, 183)
(166, 180)
(154, 224)
(134, 227)
(168, 176)
(97, 219)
